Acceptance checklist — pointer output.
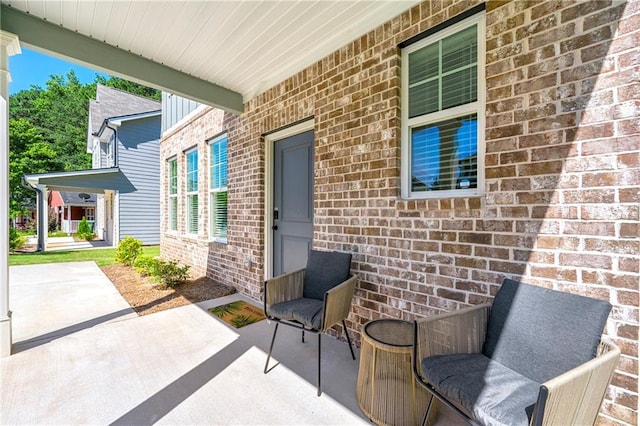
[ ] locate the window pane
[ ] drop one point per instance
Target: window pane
(219, 214)
(218, 163)
(192, 214)
(424, 64)
(460, 87)
(444, 74)
(192, 171)
(424, 99)
(173, 213)
(460, 50)
(444, 155)
(173, 177)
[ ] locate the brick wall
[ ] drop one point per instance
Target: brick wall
(561, 207)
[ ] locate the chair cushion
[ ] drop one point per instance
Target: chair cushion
(305, 311)
(542, 333)
(325, 270)
(488, 391)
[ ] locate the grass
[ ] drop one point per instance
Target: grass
(101, 256)
(58, 234)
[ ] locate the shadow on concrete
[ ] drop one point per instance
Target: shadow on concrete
(66, 331)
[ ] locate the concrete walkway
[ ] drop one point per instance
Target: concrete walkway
(82, 356)
(66, 243)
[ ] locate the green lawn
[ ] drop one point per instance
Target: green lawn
(100, 256)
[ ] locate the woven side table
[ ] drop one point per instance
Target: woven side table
(387, 391)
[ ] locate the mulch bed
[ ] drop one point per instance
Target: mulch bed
(147, 297)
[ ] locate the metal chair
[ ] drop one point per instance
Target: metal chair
(312, 299)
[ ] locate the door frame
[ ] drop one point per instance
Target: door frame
(269, 176)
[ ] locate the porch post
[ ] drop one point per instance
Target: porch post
(42, 216)
(9, 45)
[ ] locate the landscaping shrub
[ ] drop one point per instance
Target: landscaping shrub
(84, 230)
(169, 274)
(15, 239)
(128, 251)
(53, 223)
(147, 266)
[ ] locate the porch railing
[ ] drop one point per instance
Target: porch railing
(71, 226)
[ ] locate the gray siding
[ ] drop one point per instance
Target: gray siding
(175, 108)
(138, 158)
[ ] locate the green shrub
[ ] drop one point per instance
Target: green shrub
(147, 266)
(15, 239)
(128, 250)
(53, 223)
(171, 274)
(84, 230)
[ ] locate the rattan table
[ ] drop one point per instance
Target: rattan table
(387, 391)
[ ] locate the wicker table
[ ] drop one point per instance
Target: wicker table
(387, 391)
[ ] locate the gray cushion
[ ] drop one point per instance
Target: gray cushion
(325, 270)
(305, 311)
(488, 391)
(543, 333)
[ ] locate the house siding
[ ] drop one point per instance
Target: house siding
(138, 160)
(561, 206)
(175, 108)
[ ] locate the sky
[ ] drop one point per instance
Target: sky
(31, 67)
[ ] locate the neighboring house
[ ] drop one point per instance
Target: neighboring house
(25, 220)
(123, 138)
(459, 144)
(70, 207)
(124, 132)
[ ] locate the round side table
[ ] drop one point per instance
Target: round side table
(387, 391)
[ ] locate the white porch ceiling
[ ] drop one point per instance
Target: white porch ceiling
(244, 46)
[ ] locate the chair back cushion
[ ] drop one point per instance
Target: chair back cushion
(325, 270)
(542, 333)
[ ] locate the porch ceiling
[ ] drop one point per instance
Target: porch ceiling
(222, 53)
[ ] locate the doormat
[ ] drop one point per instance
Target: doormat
(238, 314)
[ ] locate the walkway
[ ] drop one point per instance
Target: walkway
(66, 243)
(82, 356)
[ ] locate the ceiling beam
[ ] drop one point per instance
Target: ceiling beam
(54, 39)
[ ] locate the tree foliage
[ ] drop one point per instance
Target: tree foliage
(48, 129)
(28, 153)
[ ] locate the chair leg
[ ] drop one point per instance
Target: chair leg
(319, 346)
(273, 339)
(303, 336)
(344, 327)
(426, 414)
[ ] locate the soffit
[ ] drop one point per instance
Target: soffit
(244, 46)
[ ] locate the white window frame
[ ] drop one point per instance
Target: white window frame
(173, 197)
(191, 193)
(213, 191)
(477, 107)
(89, 213)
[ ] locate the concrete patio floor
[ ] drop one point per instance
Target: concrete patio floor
(82, 356)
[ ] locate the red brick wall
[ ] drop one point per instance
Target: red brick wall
(561, 207)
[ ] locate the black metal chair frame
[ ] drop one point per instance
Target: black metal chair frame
(310, 330)
(303, 328)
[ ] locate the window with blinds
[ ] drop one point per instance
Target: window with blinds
(218, 188)
(173, 194)
(443, 112)
(192, 191)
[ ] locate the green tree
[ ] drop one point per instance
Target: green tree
(63, 111)
(28, 153)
